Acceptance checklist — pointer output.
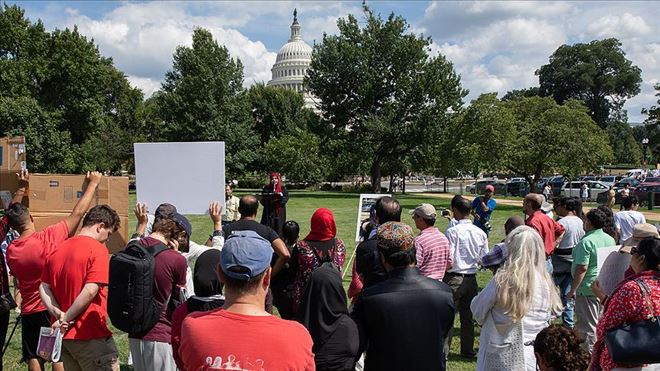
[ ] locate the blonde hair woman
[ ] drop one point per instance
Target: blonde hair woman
(516, 305)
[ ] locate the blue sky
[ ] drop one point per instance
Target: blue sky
(495, 46)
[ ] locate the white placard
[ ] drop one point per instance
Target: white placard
(612, 266)
(366, 201)
(189, 175)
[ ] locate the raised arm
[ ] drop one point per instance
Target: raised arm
(72, 221)
(141, 212)
(216, 240)
(23, 186)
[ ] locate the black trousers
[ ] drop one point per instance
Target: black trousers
(4, 325)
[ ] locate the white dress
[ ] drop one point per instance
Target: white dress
(501, 344)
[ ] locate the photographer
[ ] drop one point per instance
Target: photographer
(482, 209)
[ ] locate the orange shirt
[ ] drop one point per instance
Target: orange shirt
(26, 258)
(76, 262)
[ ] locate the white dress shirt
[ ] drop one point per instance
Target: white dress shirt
(467, 244)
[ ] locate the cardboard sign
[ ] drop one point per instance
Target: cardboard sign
(366, 201)
(612, 266)
(189, 175)
(59, 193)
(12, 154)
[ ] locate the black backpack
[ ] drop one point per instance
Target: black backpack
(131, 304)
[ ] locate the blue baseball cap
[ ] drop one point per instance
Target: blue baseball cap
(248, 251)
(183, 222)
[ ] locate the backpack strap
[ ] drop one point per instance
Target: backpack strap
(153, 250)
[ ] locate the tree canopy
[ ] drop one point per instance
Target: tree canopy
(597, 73)
(380, 88)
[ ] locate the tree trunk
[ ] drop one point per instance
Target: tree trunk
(445, 185)
(391, 188)
(403, 183)
(375, 176)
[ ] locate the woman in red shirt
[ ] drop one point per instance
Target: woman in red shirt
(627, 305)
(320, 245)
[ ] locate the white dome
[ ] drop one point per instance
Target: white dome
(297, 49)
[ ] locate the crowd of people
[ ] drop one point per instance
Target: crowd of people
(189, 306)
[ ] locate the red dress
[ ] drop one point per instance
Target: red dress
(626, 305)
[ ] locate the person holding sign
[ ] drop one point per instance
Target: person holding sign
(274, 198)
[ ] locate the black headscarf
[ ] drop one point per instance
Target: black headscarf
(323, 304)
(205, 277)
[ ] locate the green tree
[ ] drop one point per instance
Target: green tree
(597, 73)
(277, 111)
(297, 156)
(553, 138)
(65, 74)
(624, 145)
(203, 99)
(652, 124)
(379, 85)
(522, 93)
(49, 149)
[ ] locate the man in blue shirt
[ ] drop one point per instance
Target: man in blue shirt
(482, 208)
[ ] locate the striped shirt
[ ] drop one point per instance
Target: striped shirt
(432, 253)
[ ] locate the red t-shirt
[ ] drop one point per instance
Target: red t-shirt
(548, 228)
(213, 340)
(26, 258)
(76, 262)
(170, 272)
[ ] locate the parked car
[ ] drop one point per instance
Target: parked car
(556, 182)
(643, 190)
(651, 179)
(586, 178)
(632, 182)
(609, 180)
(517, 187)
(541, 183)
(479, 186)
(574, 189)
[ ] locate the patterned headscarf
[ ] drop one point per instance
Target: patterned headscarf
(395, 236)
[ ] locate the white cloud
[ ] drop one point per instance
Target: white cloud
(147, 85)
(624, 26)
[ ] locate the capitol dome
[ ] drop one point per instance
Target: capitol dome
(292, 63)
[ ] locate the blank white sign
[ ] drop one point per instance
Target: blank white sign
(188, 175)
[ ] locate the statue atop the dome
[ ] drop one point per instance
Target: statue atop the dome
(295, 14)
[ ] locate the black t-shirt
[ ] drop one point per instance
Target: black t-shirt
(250, 225)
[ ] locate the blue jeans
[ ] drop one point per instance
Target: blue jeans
(564, 281)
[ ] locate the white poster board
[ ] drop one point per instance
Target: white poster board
(189, 175)
(612, 266)
(366, 201)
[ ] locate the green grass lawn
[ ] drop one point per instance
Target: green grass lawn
(300, 208)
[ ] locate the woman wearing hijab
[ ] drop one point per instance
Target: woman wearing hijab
(319, 246)
(324, 313)
(274, 197)
(208, 296)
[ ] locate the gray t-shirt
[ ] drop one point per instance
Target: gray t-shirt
(561, 263)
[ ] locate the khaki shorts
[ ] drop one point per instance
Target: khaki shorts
(95, 354)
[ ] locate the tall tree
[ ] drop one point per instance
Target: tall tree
(597, 73)
(203, 99)
(553, 138)
(81, 91)
(625, 147)
(379, 85)
(652, 124)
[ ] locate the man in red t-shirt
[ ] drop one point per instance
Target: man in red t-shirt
(551, 232)
(26, 257)
(74, 290)
(242, 335)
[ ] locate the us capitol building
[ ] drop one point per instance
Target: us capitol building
(292, 63)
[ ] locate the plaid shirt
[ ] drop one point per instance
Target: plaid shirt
(495, 257)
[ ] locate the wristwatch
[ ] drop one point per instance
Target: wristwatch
(216, 233)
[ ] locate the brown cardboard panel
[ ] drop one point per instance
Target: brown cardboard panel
(59, 193)
(9, 183)
(12, 153)
(116, 242)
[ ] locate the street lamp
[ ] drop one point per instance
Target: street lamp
(645, 144)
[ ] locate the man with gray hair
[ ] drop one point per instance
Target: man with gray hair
(551, 232)
(405, 319)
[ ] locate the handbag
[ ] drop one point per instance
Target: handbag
(7, 301)
(638, 342)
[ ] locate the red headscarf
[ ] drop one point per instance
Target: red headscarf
(323, 226)
(275, 189)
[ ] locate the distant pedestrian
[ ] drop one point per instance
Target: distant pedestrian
(611, 197)
(230, 213)
(625, 193)
(482, 209)
(584, 192)
(547, 192)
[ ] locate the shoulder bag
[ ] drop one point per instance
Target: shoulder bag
(638, 342)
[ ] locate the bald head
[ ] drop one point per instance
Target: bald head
(248, 206)
(513, 223)
(534, 200)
